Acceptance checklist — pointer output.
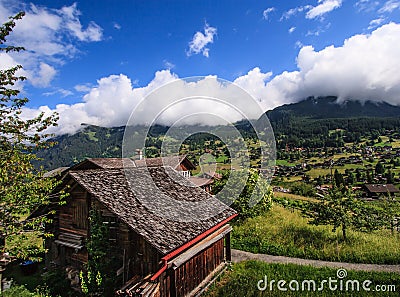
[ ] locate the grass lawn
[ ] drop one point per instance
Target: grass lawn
(382, 144)
(242, 280)
(285, 233)
(292, 196)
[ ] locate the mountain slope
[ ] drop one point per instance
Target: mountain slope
(326, 107)
(306, 123)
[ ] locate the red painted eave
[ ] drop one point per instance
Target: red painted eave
(189, 244)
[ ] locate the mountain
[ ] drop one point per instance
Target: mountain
(326, 107)
(90, 141)
(306, 123)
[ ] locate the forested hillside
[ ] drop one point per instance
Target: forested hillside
(312, 123)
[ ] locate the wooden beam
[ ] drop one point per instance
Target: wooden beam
(202, 245)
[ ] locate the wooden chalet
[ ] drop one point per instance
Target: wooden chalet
(169, 237)
(379, 190)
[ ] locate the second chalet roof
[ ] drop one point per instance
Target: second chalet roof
(104, 163)
(116, 163)
(381, 188)
(172, 161)
(166, 213)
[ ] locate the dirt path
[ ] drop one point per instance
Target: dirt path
(238, 256)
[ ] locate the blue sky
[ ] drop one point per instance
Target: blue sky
(79, 54)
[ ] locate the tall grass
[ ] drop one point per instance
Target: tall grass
(242, 280)
(285, 233)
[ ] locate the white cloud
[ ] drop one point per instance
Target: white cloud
(62, 92)
(291, 30)
(376, 22)
(254, 82)
(111, 102)
(168, 65)
(319, 30)
(70, 17)
(365, 67)
(200, 41)
(293, 11)
(267, 11)
(42, 75)
(107, 104)
(322, 8)
(83, 87)
(366, 5)
(299, 44)
(389, 6)
(50, 37)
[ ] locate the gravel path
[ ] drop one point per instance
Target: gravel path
(238, 256)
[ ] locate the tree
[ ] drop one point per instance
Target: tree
(338, 178)
(339, 208)
(389, 177)
(303, 189)
(379, 168)
(242, 187)
(369, 177)
(350, 179)
(22, 187)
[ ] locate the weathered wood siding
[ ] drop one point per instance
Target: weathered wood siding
(135, 254)
(182, 280)
(73, 216)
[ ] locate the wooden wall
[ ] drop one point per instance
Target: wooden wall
(136, 255)
(73, 216)
(182, 280)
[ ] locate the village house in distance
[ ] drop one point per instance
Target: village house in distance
(157, 255)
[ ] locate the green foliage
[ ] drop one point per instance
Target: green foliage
(22, 188)
(245, 191)
(338, 208)
(379, 168)
(303, 189)
(21, 291)
(18, 291)
(338, 178)
(57, 284)
(99, 279)
(243, 277)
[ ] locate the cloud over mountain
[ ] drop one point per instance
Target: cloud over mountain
(364, 67)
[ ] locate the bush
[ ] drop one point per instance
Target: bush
(303, 189)
(57, 284)
(20, 291)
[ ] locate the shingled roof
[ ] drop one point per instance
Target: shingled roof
(116, 163)
(172, 161)
(381, 188)
(104, 163)
(167, 213)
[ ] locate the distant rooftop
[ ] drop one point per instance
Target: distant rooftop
(381, 188)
